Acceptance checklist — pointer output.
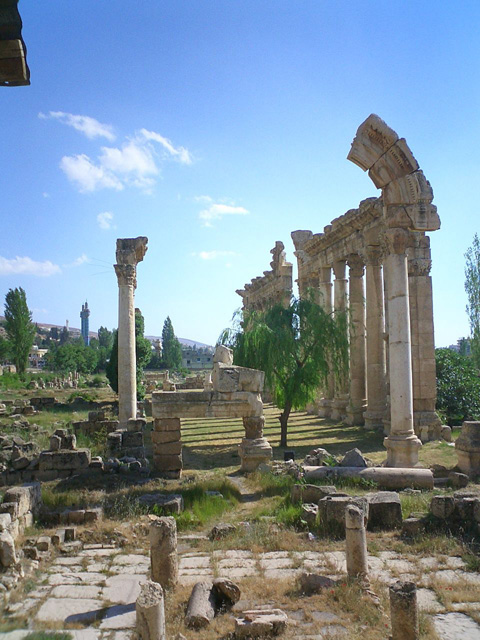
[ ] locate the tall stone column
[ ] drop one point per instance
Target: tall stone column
(325, 288)
(340, 306)
(130, 251)
(426, 422)
(402, 444)
(357, 403)
(375, 321)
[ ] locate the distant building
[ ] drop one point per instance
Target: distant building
(463, 347)
(84, 315)
(193, 358)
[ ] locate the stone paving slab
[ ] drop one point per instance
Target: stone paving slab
(427, 601)
(123, 589)
(120, 616)
(76, 578)
(70, 610)
(456, 626)
(76, 591)
(131, 558)
(129, 569)
(77, 634)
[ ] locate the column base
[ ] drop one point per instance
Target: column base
(355, 416)
(339, 408)
(402, 451)
(325, 408)
(373, 420)
(253, 453)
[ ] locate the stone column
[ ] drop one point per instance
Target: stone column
(130, 252)
(357, 403)
(376, 372)
(403, 611)
(426, 422)
(163, 551)
(325, 288)
(150, 611)
(340, 305)
(356, 543)
(402, 444)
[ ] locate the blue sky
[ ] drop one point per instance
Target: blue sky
(215, 128)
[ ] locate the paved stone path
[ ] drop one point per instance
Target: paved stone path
(98, 586)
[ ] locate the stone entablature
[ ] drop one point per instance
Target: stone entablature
(274, 287)
(236, 394)
(387, 295)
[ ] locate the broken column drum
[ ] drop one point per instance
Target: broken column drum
(356, 543)
(163, 551)
(403, 611)
(130, 251)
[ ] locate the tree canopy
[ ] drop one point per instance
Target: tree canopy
(297, 347)
(458, 387)
(472, 288)
(19, 327)
(171, 349)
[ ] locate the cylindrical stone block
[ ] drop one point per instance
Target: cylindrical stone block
(356, 543)
(403, 611)
(151, 612)
(163, 551)
(201, 606)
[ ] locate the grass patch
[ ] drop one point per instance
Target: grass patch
(415, 503)
(271, 484)
(48, 635)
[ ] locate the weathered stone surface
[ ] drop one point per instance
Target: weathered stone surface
(70, 610)
(201, 606)
(314, 583)
(467, 447)
(222, 530)
(403, 611)
(385, 510)
(412, 527)
(386, 478)
(170, 503)
(59, 460)
(353, 458)
(446, 433)
(261, 623)
(151, 612)
(167, 462)
(227, 591)
(163, 551)
(331, 511)
(123, 589)
(309, 514)
(310, 492)
(165, 437)
(456, 626)
(44, 543)
(457, 480)
(442, 506)
(7, 550)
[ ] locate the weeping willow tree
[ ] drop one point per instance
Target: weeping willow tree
(297, 347)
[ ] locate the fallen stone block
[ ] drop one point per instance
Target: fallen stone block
(58, 537)
(227, 592)
(309, 514)
(384, 511)
(261, 623)
(70, 534)
(5, 521)
(353, 458)
(93, 515)
(8, 555)
(412, 527)
(457, 480)
(314, 583)
(170, 503)
(76, 516)
(60, 460)
(222, 530)
(201, 606)
(43, 543)
(310, 492)
(442, 506)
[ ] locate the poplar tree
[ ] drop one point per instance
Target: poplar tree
(171, 349)
(472, 288)
(19, 327)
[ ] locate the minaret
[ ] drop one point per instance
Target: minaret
(84, 314)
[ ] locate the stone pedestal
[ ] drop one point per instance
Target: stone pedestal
(402, 444)
(468, 449)
(403, 611)
(254, 449)
(130, 251)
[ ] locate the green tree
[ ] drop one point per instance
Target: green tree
(19, 327)
(105, 338)
(4, 349)
(472, 288)
(458, 387)
(297, 347)
(143, 353)
(72, 356)
(171, 349)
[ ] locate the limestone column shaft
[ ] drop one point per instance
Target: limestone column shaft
(402, 445)
(426, 422)
(375, 324)
(357, 402)
(129, 252)
(340, 306)
(326, 288)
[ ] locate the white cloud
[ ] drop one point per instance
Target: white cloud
(105, 220)
(212, 255)
(27, 266)
(217, 211)
(88, 176)
(136, 162)
(85, 124)
(45, 194)
(203, 199)
(80, 260)
(178, 153)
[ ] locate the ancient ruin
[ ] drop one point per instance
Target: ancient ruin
(130, 251)
(236, 394)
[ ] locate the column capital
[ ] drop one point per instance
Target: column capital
(339, 267)
(419, 266)
(126, 274)
(397, 240)
(374, 255)
(357, 265)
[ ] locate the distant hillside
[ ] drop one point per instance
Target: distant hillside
(93, 334)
